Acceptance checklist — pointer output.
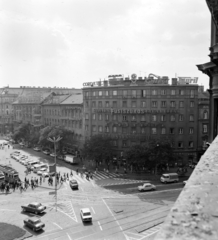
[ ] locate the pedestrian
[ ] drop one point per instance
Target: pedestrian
(77, 171)
(67, 176)
(40, 180)
(71, 173)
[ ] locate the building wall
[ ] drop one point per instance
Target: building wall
(131, 114)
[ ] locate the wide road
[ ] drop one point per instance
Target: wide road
(118, 213)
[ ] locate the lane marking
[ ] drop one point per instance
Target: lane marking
(69, 236)
(112, 214)
(57, 225)
(93, 210)
(99, 225)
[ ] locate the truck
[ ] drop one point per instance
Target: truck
(71, 159)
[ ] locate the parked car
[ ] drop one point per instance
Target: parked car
(34, 207)
(47, 152)
(147, 187)
(37, 149)
(86, 215)
(47, 174)
(53, 155)
(41, 171)
(74, 184)
(15, 153)
(61, 157)
(34, 223)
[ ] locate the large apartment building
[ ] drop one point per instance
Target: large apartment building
(133, 110)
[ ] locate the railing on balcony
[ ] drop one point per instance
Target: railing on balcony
(195, 213)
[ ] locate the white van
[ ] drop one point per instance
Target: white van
(169, 177)
(37, 167)
(31, 164)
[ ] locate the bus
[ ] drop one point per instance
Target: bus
(10, 174)
(2, 177)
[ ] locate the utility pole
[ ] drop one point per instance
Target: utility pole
(55, 140)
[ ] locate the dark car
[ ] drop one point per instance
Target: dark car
(34, 207)
(34, 223)
(74, 184)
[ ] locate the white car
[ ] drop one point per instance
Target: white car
(36, 149)
(47, 174)
(146, 187)
(41, 171)
(53, 155)
(47, 152)
(86, 215)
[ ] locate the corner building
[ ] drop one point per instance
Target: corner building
(134, 110)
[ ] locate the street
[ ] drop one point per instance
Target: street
(118, 210)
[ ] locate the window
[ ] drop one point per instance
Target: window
(143, 93)
(106, 93)
(190, 144)
(163, 92)
(107, 104)
(93, 116)
(181, 104)
(114, 129)
(94, 94)
(124, 143)
(124, 130)
(180, 130)
(133, 104)
(192, 104)
(172, 103)
(114, 117)
(172, 131)
(87, 116)
(93, 104)
(191, 118)
(106, 129)
(154, 104)
(133, 118)
(173, 92)
(124, 104)
(191, 130)
(192, 93)
(163, 103)
(180, 144)
(142, 118)
(100, 116)
(154, 92)
(114, 92)
(133, 130)
(124, 118)
(87, 94)
(163, 118)
(181, 117)
(100, 93)
(142, 130)
(107, 117)
(114, 143)
(100, 128)
(172, 118)
(181, 92)
(114, 104)
(154, 130)
(100, 104)
(93, 128)
(205, 115)
(205, 128)
(143, 104)
(125, 93)
(86, 128)
(133, 93)
(87, 104)
(163, 130)
(154, 118)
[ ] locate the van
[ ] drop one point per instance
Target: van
(32, 163)
(37, 167)
(169, 177)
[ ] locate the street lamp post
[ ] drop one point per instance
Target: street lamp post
(55, 140)
(156, 159)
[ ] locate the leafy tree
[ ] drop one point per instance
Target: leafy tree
(23, 132)
(99, 148)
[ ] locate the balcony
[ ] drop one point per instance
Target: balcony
(195, 213)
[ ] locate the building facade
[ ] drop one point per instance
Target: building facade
(134, 110)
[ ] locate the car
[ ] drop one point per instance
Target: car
(41, 171)
(23, 161)
(48, 174)
(47, 152)
(15, 153)
(86, 215)
(74, 184)
(34, 207)
(37, 149)
(147, 187)
(61, 157)
(184, 182)
(34, 223)
(53, 155)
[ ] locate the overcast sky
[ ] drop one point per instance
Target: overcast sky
(67, 42)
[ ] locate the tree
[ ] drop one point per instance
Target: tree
(99, 148)
(23, 132)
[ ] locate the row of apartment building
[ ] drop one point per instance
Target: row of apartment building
(130, 111)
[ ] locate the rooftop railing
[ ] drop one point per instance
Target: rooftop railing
(195, 213)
